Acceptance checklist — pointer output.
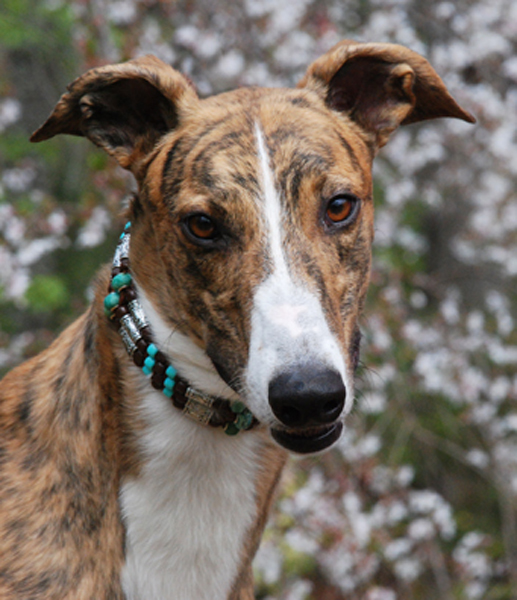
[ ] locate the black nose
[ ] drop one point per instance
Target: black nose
(307, 396)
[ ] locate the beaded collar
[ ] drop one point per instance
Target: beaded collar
(122, 307)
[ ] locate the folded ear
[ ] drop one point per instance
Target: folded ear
(123, 108)
(381, 86)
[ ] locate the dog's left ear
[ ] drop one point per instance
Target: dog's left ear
(381, 86)
(125, 109)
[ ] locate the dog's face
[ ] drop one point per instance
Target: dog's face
(253, 225)
(264, 222)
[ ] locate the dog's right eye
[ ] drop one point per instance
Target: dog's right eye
(201, 228)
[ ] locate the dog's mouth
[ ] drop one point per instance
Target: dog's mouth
(308, 441)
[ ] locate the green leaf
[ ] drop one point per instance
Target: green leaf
(47, 293)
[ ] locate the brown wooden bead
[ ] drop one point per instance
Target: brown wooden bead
(217, 420)
(138, 358)
(178, 400)
(159, 366)
(142, 346)
(227, 413)
(129, 294)
(146, 334)
(161, 358)
(180, 386)
(125, 295)
(157, 380)
(121, 312)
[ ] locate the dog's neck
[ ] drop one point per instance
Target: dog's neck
(125, 311)
(193, 489)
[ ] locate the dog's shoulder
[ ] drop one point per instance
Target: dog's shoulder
(58, 496)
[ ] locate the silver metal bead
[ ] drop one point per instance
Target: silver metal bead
(128, 342)
(124, 246)
(127, 323)
(117, 257)
(138, 314)
(198, 411)
(193, 395)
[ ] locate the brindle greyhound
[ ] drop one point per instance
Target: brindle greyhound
(139, 454)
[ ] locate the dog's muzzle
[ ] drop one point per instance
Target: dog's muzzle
(308, 403)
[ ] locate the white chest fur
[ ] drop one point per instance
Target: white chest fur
(187, 512)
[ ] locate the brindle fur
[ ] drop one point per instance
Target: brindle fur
(68, 419)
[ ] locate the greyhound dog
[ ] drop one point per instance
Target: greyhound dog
(140, 453)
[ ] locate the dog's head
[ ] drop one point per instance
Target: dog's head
(253, 225)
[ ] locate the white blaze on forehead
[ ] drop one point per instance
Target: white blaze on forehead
(272, 207)
(288, 325)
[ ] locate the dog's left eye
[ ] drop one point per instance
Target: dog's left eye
(341, 209)
(201, 228)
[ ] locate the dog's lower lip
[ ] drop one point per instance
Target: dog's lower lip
(308, 442)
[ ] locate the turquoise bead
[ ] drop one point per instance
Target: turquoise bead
(237, 407)
(111, 301)
(152, 350)
(120, 281)
(127, 226)
(243, 421)
(147, 370)
(149, 362)
(167, 392)
(169, 383)
(171, 372)
(231, 429)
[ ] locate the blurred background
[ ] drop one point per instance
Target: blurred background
(419, 501)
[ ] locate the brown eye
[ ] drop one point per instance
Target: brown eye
(201, 227)
(341, 209)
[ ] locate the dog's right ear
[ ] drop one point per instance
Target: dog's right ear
(125, 109)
